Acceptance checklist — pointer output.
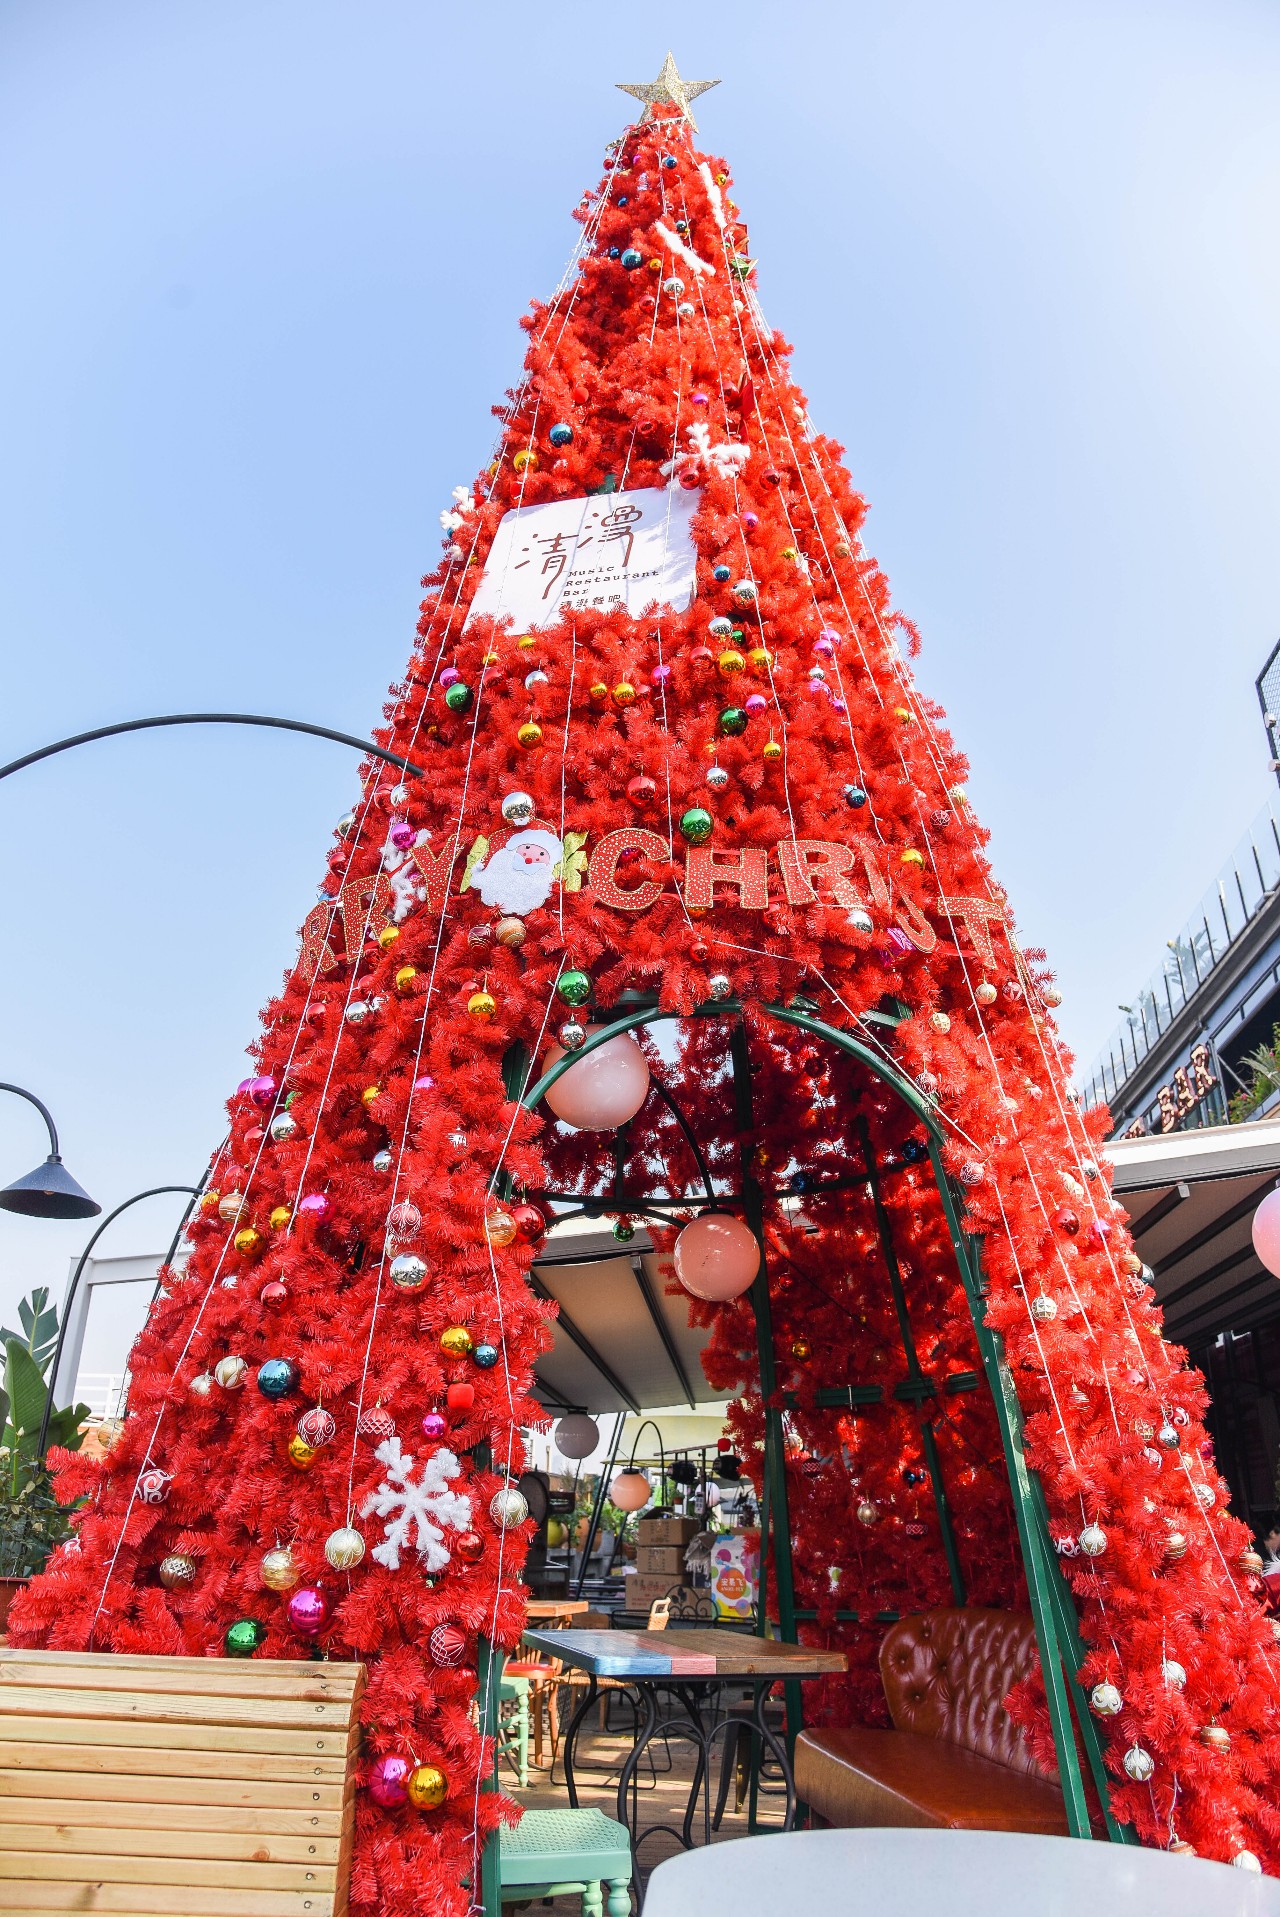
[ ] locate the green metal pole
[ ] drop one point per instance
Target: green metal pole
(916, 1378)
(775, 1471)
(1009, 1418)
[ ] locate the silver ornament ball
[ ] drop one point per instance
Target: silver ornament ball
(344, 1548)
(517, 808)
(507, 1508)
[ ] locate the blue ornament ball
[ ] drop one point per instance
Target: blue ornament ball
(615, 252)
(682, 226)
(800, 1181)
(855, 796)
(914, 1150)
(561, 434)
(668, 159)
(631, 259)
(486, 1356)
(624, 199)
(278, 1378)
(721, 573)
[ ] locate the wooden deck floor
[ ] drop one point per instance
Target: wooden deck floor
(663, 1792)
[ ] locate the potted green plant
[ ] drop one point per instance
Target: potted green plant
(32, 1522)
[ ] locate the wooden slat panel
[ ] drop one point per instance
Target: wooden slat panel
(160, 1675)
(199, 1778)
(179, 1737)
(36, 1867)
(142, 1785)
(172, 1707)
(158, 1812)
(234, 1669)
(162, 1900)
(138, 1837)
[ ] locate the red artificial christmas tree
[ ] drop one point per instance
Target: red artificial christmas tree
(670, 748)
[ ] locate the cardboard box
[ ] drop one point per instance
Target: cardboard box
(661, 1560)
(645, 1588)
(666, 1531)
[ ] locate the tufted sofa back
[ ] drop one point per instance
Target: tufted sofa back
(947, 1673)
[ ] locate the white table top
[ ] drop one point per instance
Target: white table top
(898, 1873)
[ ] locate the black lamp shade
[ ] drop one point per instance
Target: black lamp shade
(48, 1192)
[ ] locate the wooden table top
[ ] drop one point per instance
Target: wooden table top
(542, 1609)
(684, 1653)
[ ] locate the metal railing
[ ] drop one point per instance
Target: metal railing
(102, 1391)
(1246, 883)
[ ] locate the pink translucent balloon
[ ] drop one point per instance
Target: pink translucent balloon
(717, 1257)
(603, 1089)
(630, 1491)
(1266, 1232)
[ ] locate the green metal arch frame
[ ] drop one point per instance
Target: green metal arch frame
(1052, 1606)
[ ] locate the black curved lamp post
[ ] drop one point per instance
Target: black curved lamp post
(49, 1191)
(210, 719)
(156, 1191)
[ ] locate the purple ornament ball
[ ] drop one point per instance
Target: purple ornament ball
(308, 1610)
(388, 1782)
(433, 1425)
(262, 1090)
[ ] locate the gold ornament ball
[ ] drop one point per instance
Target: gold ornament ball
(940, 1022)
(500, 1228)
(482, 1006)
(388, 936)
(730, 662)
(986, 993)
(301, 1455)
(529, 735)
(427, 1787)
(772, 751)
(1250, 1562)
(623, 693)
(231, 1207)
(177, 1572)
(526, 642)
(248, 1241)
(279, 1217)
(457, 1341)
(524, 459)
(868, 1513)
(370, 1094)
(760, 658)
(800, 1349)
(405, 977)
(344, 1548)
(911, 857)
(278, 1570)
(1175, 1547)
(510, 932)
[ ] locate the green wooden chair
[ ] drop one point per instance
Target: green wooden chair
(513, 1726)
(554, 1853)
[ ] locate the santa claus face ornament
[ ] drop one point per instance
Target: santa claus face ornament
(515, 870)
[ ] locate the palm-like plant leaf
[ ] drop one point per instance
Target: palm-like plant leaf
(39, 1327)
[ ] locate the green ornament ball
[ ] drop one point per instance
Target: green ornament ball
(623, 1232)
(458, 696)
(574, 987)
(245, 1637)
(733, 721)
(695, 825)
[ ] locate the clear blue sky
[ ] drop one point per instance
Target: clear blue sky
(263, 265)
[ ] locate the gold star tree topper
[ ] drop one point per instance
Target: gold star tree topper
(669, 90)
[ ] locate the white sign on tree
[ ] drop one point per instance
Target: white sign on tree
(608, 551)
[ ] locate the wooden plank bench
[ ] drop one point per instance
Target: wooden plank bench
(175, 1786)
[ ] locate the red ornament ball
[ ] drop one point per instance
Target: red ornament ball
(375, 1425)
(469, 1546)
(389, 1782)
(448, 1646)
(317, 1427)
(531, 1222)
(273, 1294)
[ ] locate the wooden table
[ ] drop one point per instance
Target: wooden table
(551, 1610)
(690, 1668)
(975, 1873)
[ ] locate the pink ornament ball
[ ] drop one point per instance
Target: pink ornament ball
(603, 1089)
(315, 1206)
(716, 1257)
(388, 1782)
(402, 835)
(308, 1610)
(262, 1090)
(450, 676)
(823, 645)
(433, 1425)
(660, 675)
(751, 521)
(1266, 1232)
(424, 1084)
(755, 704)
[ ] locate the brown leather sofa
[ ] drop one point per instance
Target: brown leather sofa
(955, 1760)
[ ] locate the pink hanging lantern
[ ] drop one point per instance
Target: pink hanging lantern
(717, 1257)
(603, 1089)
(630, 1491)
(1266, 1232)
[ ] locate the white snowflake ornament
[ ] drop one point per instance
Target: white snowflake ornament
(419, 1511)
